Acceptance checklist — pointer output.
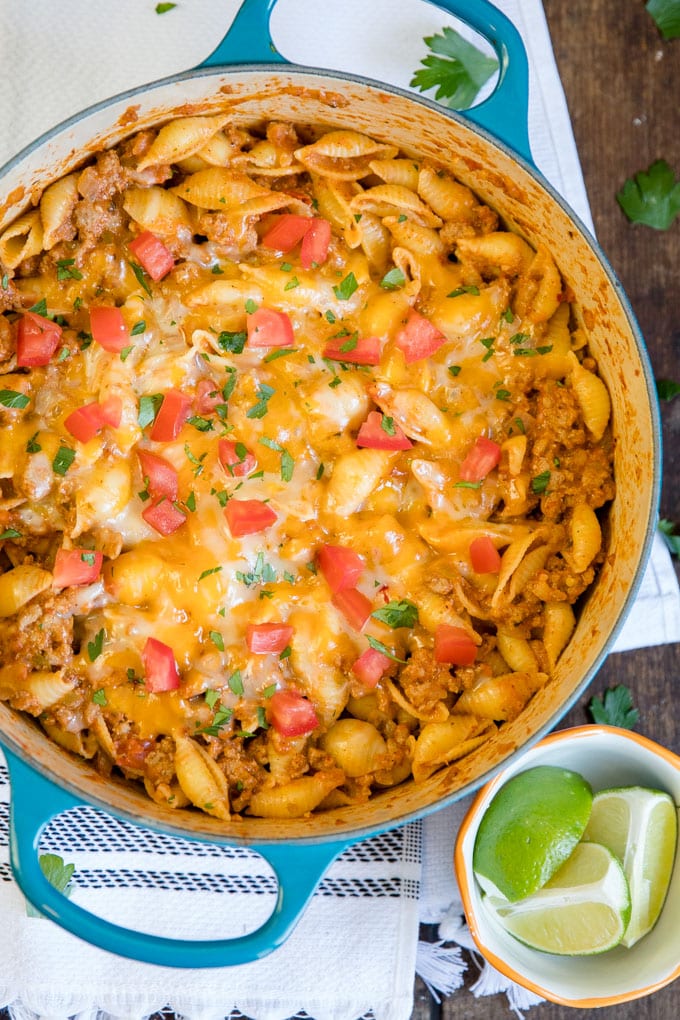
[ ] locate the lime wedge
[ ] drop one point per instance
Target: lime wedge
(529, 830)
(584, 908)
(640, 826)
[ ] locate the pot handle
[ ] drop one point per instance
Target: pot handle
(36, 800)
(504, 113)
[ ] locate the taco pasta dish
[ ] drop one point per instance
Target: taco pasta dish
(302, 454)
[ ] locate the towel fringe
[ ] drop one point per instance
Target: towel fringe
(440, 967)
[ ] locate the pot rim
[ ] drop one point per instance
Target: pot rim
(355, 834)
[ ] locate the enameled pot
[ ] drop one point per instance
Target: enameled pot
(488, 150)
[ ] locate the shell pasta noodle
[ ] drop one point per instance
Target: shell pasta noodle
(303, 465)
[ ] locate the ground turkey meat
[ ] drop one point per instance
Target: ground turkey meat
(425, 681)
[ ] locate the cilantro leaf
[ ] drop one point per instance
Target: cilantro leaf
(615, 708)
(57, 874)
(667, 389)
(344, 290)
(457, 74)
(12, 398)
(163, 8)
(666, 15)
(672, 540)
(651, 197)
(397, 614)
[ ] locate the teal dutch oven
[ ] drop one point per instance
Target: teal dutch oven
(488, 149)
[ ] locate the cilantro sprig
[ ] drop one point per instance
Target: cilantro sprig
(615, 708)
(666, 15)
(652, 196)
(455, 68)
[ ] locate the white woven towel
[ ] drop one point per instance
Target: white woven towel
(355, 949)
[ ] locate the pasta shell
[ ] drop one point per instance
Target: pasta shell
(496, 254)
(448, 198)
(592, 396)
(297, 798)
(558, 625)
(440, 743)
(516, 651)
(394, 200)
(396, 171)
(355, 746)
(586, 537)
(219, 188)
(374, 239)
(439, 713)
(343, 155)
(355, 476)
(83, 743)
(415, 413)
(21, 584)
(21, 240)
(538, 290)
(157, 210)
(201, 778)
(415, 237)
(56, 205)
(333, 199)
(180, 138)
(49, 688)
(500, 698)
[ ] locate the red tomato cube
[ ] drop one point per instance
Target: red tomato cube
(152, 254)
(37, 340)
(377, 433)
(354, 606)
(268, 637)
(236, 460)
(286, 232)
(161, 672)
(164, 517)
(85, 422)
(480, 460)
(315, 243)
(268, 328)
(171, 416)
(76, 566)
(291, 714)
(454, 645)
(371, 666)
(248, 516)
(362, 351)
(484, 556)
(159, 474)
(341, 567)
(419, 338)
(108, 328)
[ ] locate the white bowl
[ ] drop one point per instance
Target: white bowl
(606, 757)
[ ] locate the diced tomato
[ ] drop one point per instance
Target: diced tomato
(37, 340)
(286, 232)
(377, 433)
(315, 243)
(236, 462)
(354, 606)
(76, 566)
(171, 416)
(86, 421)
(111, 411)
(152, 254)
(108, 328)
(454, 645)
(341, 567)
(484, 556)
(268, 637)
(366, 350)
(291, 714)
(160, 667)
(248, 516)
(208, 396)
(159, 474)
(370, 666)
(482, 458)
(419, 338)
(269, 328)
(164, 517)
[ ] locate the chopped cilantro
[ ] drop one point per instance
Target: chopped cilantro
(9, 533)
(217, 639)
(63, 459)
(236, 683)
(615, 708)
(344, 290)
(380, 647)
(232, 343)
(464, 290)
(393, 279)
(95, 647)
(149, 407)
(141, 277)
(99, 697)
(14, 399)
(540, 482)
(259, 410)
(139, 327)
(397, 614)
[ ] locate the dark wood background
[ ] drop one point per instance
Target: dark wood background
(622, 83)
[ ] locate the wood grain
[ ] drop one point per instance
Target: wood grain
(622, 83)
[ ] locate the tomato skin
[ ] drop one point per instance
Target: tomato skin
(454, 645)
(162, 476)
(340, 566)
(208, 397)
(171, 416)
(85, 422)
(419, 338)
(111, 410)
(248, 516)
(286, 232)
(229, 459)
(354, 606)
(367, 351)
(164, 517)
(269, 328)
(480, 460)
(372, 435)
(291, 714)
(268, 637)
(484, 556)
(108, 328)
(370, 667)
(315, 243)
(152, 255)
(70, 569)
(37, 340)
(160, 667)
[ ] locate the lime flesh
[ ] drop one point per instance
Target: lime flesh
(640, 826)
(583, 910)
(530, 829)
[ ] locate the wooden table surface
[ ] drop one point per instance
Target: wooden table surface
(622, 83)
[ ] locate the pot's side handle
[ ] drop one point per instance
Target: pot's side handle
(504, 113)
(36, 800)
